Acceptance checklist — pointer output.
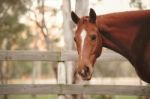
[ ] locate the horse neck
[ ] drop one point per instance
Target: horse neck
(119, 31)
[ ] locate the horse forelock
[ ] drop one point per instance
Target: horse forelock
(84, 19)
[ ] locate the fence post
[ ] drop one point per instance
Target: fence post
(61, 76)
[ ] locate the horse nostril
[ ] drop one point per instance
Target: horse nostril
(86, 68)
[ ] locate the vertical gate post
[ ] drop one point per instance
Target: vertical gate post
(61, 76)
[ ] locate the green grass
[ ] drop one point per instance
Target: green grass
(113, 97)
(55, 97)
(30, 97)
(126, 97)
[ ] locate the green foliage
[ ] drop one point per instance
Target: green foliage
(16, 7)
(21, 69)
(10, 28)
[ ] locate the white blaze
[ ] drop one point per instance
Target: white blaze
(83, 36)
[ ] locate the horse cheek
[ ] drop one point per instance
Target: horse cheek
(98, 50)
(93, 59)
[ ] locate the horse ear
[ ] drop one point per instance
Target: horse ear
(74, 17)
(92, 16)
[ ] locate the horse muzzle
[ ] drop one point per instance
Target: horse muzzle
(86, 72)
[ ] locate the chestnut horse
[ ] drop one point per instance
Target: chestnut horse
(127, 33)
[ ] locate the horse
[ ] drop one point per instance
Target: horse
(127, 33)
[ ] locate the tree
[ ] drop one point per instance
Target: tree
(137, 4)
(10, 28)
(43, 31)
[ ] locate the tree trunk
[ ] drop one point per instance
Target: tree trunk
(82, 7)
(68, 38)
(4, 66)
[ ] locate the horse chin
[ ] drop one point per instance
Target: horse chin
(86, 78)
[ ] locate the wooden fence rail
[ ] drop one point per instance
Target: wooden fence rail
(61, 88)
(75, 89)
(52, 56)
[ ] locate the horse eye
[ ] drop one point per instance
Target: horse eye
(93, 37)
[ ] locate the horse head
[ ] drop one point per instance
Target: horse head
(88, 42)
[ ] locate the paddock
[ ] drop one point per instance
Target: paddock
(61, 87)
